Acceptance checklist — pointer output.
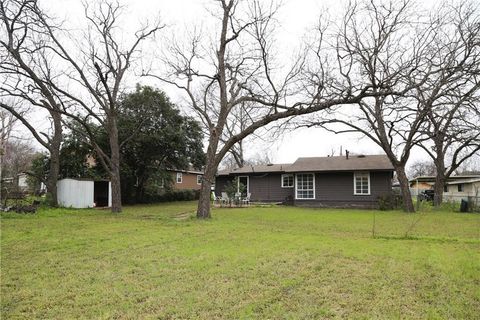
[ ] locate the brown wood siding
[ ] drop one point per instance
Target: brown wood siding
(189, 181)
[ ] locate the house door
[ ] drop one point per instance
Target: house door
(243, 180)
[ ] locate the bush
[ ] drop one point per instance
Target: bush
(390, 201)
(173, 195)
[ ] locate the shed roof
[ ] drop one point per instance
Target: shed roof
(340, 163)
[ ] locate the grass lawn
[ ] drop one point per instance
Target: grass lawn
(256, 263)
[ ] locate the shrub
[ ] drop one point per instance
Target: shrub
(390, 201)
(173, 195)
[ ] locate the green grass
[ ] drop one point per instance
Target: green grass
(259, 263)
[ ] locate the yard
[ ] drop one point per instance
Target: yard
(257, 263)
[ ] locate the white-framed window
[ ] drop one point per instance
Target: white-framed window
(460, 187)
(179, 177)
(288, 181)
(305, 183)
(361, 183)
(199, 179)
(162, 183)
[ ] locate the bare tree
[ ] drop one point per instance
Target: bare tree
(389, 50)
(26, 71)
(93, 71)
(422, 168)
(452, 95)
(7, 121)
(239, 66)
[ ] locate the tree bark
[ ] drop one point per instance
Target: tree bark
(211, 166)
(54, 150)
(115, 166)
(203, 209)
(440, 181)
(405, 188)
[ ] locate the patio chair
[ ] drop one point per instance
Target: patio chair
(217, 200)
(225, 199)
(246, 200)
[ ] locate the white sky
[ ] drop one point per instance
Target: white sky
(296, 18)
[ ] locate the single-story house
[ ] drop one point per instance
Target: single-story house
(84, 193)
(341, 181)
(186, 179)
(457, 187)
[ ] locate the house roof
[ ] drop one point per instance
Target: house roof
(464, 181)
(192, 171)
(264, 168)
(432, 178)
(340, 163)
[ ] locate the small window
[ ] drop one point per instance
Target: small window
(162, 183)
(445, 188)
(179, 177)
(287, 181)
(305, 186)
(199, 179)
(361, 183)
(460, 187)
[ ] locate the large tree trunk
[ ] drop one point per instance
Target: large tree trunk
(440, 181)
(405, 188)
(440, 178)
(115, 166)
(54, 169)
(203, 210)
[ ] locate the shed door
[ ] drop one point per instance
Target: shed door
(100, 193)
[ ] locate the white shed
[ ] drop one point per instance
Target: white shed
(84, 193)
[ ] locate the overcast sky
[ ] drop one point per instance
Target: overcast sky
(296, 18)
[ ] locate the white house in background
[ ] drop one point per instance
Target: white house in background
(84, 193)
(457, 190)
(22, 181)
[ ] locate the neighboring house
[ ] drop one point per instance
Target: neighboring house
(354, 181)
(22, 181)
(186, 179)
(462, 189)
(420, 184)
(18, 183)
(457, 187)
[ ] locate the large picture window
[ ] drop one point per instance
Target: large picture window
(287, 181)
(305, 186)
(361, 183)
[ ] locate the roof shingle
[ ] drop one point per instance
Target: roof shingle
(339, 163)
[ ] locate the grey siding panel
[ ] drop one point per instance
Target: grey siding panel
(332, 189)
(221, 183)
(263, 187)
(268, 187)
(335, 189)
